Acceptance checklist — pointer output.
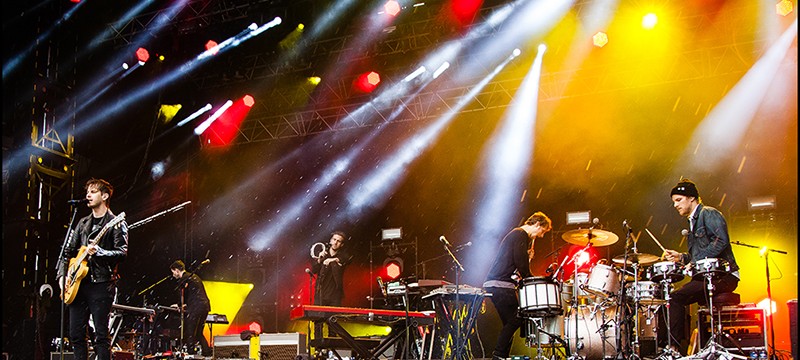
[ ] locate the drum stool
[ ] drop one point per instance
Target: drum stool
(719, 301)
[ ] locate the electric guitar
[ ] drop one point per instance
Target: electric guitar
(78, 267)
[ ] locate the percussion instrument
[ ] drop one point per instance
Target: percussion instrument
(583, 237)
(549, 325)
(540, 295)
(568, 286)
(710, 266)
(603, 281)
(636, 258)
(648, 292)
(665, 271)
(595, 329)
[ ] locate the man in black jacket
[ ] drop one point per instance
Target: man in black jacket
(197, 306)
(97, 289)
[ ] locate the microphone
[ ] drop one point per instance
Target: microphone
(468, 244)
(77, 201)
(444, 241)
(595, 221)
(308, 271)
(206, 261)
(380, 284)
(685, 232)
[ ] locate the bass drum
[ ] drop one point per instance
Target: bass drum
(597, 332)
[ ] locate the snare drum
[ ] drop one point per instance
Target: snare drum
(648, 292)
(712, 267)
(664, 271)
(540, 295)
(603, 281)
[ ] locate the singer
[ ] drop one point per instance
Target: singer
(513, 258)
(196, 306)
(96, 292)
(707, 238)
(329, 267)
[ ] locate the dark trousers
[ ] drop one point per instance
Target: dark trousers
(94, 299)
(193, 330)
(507, 305)
(693, 292)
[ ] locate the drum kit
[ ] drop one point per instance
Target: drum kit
(602, 314)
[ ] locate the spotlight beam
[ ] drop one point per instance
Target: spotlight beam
(195, 114)
(205, 124)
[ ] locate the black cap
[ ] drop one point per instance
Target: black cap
(686, 188)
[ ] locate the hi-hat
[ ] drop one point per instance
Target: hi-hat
(596, 236)
(637, 258)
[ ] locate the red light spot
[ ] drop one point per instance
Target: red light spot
(464, 10)
(255, 327)
(367, 82)
(392, 7)
(142, 55)
(393, 270)
(248, 101)
(210, 45)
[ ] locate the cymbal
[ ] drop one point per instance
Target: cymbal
(596, 236)
(634, 258)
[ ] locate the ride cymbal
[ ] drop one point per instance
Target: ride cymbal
(596, 236)
(637, 258)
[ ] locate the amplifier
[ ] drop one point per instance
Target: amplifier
(746, 325)
(282, 346)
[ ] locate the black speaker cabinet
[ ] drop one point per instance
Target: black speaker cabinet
(747, 325)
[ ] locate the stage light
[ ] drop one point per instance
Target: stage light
(211, 44)
(125, 66)
(649, 21)
(516, 52)
(414, 74)
(784, 7)
(441, 69)
(600, 39)
(392, 7)
(769, 310)
(205, 124)
(542, 48)
(393, 267)
(167, 112)
(367, 82)
(161, 58)
(314, 80)
(142, 55)
(254, 327)
(248, 101)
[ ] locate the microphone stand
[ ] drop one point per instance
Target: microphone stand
(62, 263)
(145, 332)
(766, 252)
(458, 348)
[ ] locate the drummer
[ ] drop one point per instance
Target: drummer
(707, 238)
(513, 259)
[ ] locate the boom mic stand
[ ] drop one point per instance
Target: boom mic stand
(61, 264)
(765, 251)
(458, 348)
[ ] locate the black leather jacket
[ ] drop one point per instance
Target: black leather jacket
(114, 245)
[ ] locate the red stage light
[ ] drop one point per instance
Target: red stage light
(248, 101)
(392, 7)
(367, 82)
(210, 45)
(142, 55)
(254, 327)
(393, 268)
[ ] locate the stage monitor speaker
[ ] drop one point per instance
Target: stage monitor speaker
(282, 346)
(745, 324)
(231, 347)
(793, 326)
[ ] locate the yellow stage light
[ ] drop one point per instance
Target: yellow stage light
(314, 80)
(649, 21)
(167, 112)
(600, 39)
(784, 7)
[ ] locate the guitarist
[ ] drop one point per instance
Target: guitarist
(96, 292)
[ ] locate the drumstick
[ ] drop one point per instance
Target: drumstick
(656, 240)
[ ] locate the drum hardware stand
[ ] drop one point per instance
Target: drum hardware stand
(667, 353)
(711, 349)
(578, 343)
